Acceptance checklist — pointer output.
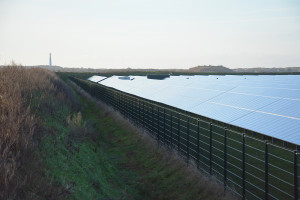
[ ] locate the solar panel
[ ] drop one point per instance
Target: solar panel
(96, 79)
(268, 104)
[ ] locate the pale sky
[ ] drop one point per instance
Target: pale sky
(150, 33)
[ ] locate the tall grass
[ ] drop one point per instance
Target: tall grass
(49, 152)
(24, 95)
(161, 172)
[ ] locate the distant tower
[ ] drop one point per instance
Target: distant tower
(50, 61)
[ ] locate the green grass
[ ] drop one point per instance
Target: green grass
(100, 157)
(83, 166)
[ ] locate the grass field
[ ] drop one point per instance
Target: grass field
(27, 97)
(58, 143)
(61, 144)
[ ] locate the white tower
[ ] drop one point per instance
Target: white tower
(50, 61)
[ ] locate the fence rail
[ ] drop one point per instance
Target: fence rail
(250, 167)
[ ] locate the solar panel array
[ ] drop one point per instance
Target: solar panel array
(268, 104)
(96, 79)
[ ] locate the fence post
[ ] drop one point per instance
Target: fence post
(131, 108)
(111, 98)
(158, 124)
(225, 158)
(198, 143)
(139, 119)
(102, 95)
(143, 116)
(114, 99)
(244, 166)
(188, 140)
(120, 104)
(117, 101)
(152, 120)
(106, 96)
(165, 127)
(296, 174)
(171, 127)
(210, 148)
(266, 170)
(178, 144)
(128, 107)
(125, 105)
(137, 110)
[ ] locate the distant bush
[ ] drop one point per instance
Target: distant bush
(158, 76)
(25, 94)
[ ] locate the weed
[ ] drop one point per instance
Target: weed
(160, 172)
(25, 96)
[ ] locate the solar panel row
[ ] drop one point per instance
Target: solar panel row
(266, 104)
(96, 79)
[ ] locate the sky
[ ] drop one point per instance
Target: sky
(150, 33)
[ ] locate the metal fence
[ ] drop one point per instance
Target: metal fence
(248, 166)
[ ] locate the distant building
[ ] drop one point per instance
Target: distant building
(50, 61)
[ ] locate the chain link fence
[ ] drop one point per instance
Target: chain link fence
(248, 166)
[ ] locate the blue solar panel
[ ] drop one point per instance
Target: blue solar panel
(243, 100)
(96, 79)
(284, 107)
(266, 104)
(219, 112)
(271, 125)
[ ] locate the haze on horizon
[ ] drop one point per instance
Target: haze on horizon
(151, 33)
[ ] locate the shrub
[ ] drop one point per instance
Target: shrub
(25, 94)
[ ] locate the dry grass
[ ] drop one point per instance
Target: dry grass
(24, 95)
(209, 187)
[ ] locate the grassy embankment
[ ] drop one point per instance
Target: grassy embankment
(58, 145)
(27, 98)
(137, 168)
